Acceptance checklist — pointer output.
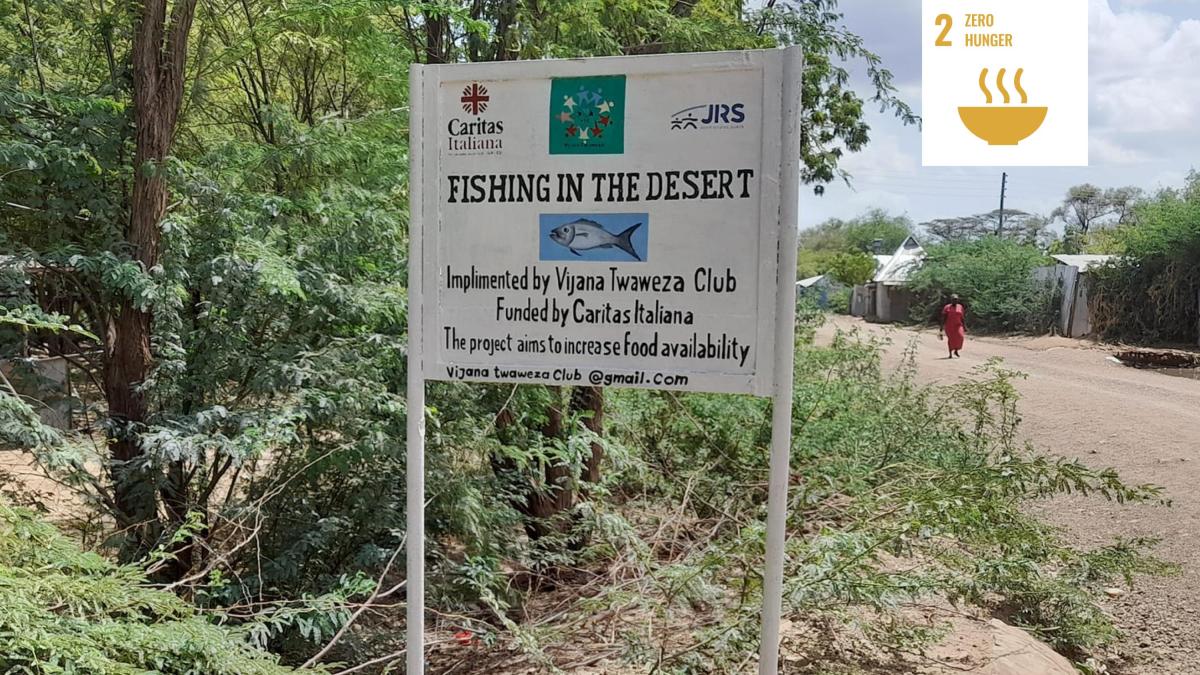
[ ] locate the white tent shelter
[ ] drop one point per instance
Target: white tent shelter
(1071, 273)
(886, 297)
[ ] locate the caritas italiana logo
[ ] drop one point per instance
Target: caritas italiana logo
(475, 98)
(473, 133)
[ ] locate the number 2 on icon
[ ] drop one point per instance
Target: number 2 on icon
(945, 21)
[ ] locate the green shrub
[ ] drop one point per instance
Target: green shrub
(839, 300)
(858, 234)
(1150, 293)
(994, 278)
(66, 611)
(852, 269)
(810, 263)
(883, 469)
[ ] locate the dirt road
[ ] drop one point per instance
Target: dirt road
(1077, 403)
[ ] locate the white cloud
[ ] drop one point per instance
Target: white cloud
(1144, 3)
(1145, 119)
(1103, 150)
(1144, 76)
(885, 154)
(1168, 179)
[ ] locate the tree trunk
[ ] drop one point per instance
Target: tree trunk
(557, 494)
(127, 364)
(159, 56)
(501, 50)
(37, 54)
(438, 40)
(544, 505)
(591, 399)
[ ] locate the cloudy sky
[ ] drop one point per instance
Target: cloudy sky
(1144, 92)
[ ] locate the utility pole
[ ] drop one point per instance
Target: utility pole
(1003, 188)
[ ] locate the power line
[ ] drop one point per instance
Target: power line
(923, 174)
(909, 190)
(920, 176)
(925, 185)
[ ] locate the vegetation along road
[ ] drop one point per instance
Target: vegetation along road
(1078, 403)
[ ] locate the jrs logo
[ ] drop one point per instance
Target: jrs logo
(710, 116)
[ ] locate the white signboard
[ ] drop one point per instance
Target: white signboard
(605, 221)
(617, 222)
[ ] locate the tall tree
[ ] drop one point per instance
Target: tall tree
(260, 314)
(1023, 227)
(1087, 206)
(159, 57)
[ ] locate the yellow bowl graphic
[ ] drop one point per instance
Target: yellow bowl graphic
(1003, 125)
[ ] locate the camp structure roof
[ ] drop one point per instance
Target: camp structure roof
(1082, 262)
(810, 282)
(901, 264)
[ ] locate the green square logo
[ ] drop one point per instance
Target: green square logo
(587, 115)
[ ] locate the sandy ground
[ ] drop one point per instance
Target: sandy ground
(1079, 404)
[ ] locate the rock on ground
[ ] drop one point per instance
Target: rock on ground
(1015, 652)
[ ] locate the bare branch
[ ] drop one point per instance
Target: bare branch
(316, 658)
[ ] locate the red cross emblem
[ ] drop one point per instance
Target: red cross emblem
(475, 98)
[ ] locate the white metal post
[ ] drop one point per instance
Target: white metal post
(785, 348)
(415, 464)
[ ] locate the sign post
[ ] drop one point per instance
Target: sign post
(625, 221)
(415, 405)
(785, 350)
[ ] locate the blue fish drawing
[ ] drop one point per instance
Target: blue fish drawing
(583, 235)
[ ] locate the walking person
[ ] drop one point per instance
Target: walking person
(953, 326)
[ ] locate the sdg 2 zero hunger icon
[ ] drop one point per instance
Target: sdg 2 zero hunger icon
(1002, 125)
(1004, 85)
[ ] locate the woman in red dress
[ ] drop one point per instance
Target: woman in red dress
(954, 326)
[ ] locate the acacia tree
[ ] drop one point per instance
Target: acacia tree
(73, 193)
(159, 59)
(1087, 206)
(232, 318)
(261, 312)
(1021, 226)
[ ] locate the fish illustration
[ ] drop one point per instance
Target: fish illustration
(583, 234)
